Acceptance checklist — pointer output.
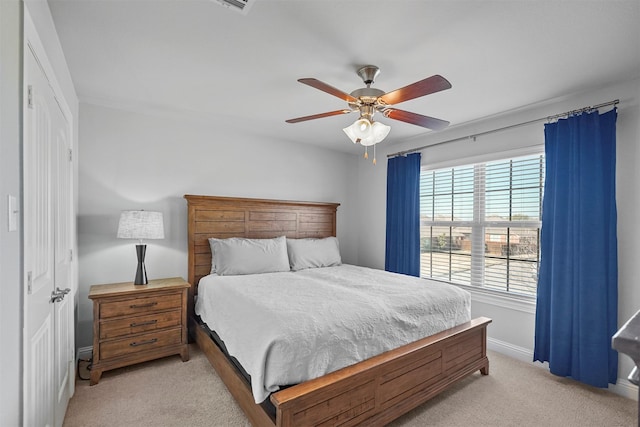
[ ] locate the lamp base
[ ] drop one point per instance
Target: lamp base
(141, 272)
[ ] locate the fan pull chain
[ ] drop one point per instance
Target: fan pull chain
(366, 153)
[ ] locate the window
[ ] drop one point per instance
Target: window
(480, 224)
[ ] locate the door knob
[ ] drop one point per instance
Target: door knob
(59, 294)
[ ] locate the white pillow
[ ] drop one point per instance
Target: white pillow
(237, 255)
(312, 253)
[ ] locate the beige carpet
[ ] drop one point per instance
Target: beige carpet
(168, 392)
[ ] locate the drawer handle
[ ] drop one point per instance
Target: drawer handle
(136, 344)
(150, 322)
(151, 304)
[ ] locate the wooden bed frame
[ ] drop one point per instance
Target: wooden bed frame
(373, 392)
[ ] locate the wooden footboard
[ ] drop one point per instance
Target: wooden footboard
(373, 392)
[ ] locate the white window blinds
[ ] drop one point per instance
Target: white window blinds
(480, 224)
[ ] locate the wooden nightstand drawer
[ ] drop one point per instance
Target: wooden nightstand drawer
(140, 305)
(139, 343)
(139, 324)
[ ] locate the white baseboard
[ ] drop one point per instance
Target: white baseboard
(623, 387)
(514, 351)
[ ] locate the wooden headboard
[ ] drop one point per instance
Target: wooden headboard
(223, 217)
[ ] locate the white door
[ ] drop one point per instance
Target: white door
(38, 247)
(48, 327)
(64, 366)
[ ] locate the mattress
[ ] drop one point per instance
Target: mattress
(289, 327)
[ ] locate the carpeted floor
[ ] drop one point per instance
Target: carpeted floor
(168, 392)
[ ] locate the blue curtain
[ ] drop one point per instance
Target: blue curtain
(577, 305)
(402, 250)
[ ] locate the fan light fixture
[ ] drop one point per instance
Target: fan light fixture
(368, 101)
(367, 133)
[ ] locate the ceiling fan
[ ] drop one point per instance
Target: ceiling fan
(369, 100)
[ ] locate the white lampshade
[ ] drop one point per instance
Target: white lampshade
(350, 133)
(362, 128)
(140, 225)
(368, 133)
(379, 131)
(368, 140)
(358, 130)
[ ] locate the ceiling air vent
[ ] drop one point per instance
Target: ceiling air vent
(241, 6)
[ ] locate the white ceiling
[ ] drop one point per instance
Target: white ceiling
(194, 56)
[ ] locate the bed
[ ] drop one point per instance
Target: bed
(372, 392)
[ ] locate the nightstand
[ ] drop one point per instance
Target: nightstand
(137, 323)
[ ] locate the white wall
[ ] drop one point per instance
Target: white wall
(133, 160)
(10, 182)
(512, 330)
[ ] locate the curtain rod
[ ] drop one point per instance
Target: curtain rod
(475, 135)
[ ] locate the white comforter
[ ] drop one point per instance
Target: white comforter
(286, 328)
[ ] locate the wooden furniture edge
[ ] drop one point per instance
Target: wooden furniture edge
(286, 401)
(245, 201)
(284, 397)
(421, 364)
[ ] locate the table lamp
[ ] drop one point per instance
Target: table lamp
(141, 225)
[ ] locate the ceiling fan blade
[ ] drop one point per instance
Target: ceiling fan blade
(328, 88)
(421, 88)
(415, 119)
(319, 116)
